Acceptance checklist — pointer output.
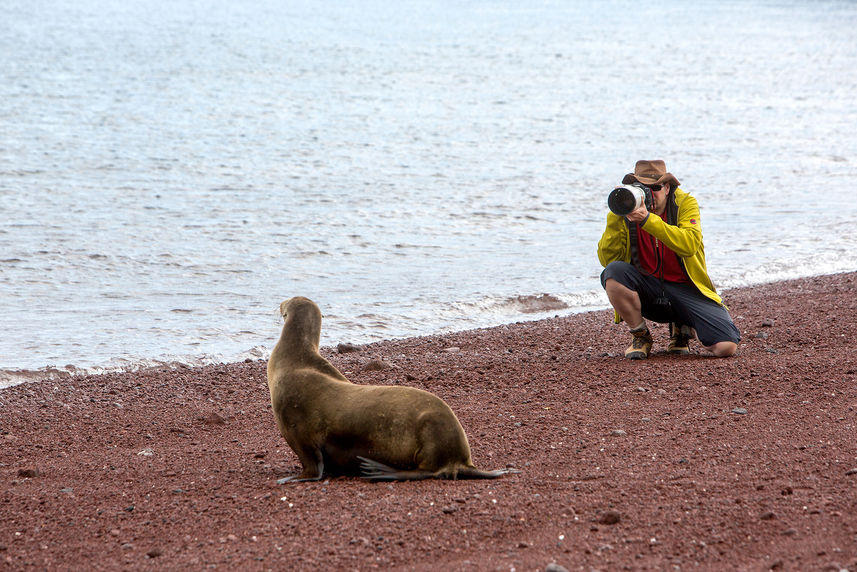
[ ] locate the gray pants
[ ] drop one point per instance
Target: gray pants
(687, 305)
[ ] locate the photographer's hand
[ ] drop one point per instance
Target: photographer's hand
(638, 215)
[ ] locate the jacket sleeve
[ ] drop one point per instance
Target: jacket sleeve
(614, 242)
(685, 239)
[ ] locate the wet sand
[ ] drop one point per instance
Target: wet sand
(679, 462)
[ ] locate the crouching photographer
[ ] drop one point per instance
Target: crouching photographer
(654, 266)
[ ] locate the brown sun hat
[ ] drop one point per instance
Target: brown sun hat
(650, 173)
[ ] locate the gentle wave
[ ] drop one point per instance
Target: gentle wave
(459, 316)
(10, 377)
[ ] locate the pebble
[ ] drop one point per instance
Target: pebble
(154, 553)
(618, 433)
(29, 473)
(609, 517)
(376, 365)
(739, 411)
(345, 348)
(762, 335)
(768, 516)
(452, 350)
(449, 509)
(214, 419)
(554, 567)
(851, 471)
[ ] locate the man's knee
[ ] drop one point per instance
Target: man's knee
(615, 288)
(616, 270)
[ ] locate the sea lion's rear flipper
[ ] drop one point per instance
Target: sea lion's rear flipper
(375, 471)
(474, 473)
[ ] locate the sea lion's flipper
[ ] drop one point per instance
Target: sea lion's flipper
(375, 471)
(297, 479)
(313, 469)
(474, 473)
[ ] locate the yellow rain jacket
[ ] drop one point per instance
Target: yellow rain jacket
(684, 238)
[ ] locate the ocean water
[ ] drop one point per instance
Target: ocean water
(170, 172)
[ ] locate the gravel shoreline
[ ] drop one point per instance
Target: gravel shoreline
(675, 462)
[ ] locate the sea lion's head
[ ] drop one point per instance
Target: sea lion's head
(302, 320)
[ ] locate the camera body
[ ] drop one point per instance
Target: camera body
(626, 198)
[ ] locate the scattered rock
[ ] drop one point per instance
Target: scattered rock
(739, 411)
(762, 335)
(609, 517)
(29, 473)
(618, 433)
(449, 509)
(376, 365)
(554, 567)
(154, 553)
(523, 544)
(790, 532)
(146, 453)
(345, 348)
(452, 350)
(214, 419)
(768, 516)
(767, 323)
(848, 472)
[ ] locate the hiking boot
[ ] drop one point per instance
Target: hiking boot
(679, 338)
(641, 344)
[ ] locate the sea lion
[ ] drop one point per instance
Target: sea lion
(335, 427)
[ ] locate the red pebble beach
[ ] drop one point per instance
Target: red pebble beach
(676, 462)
